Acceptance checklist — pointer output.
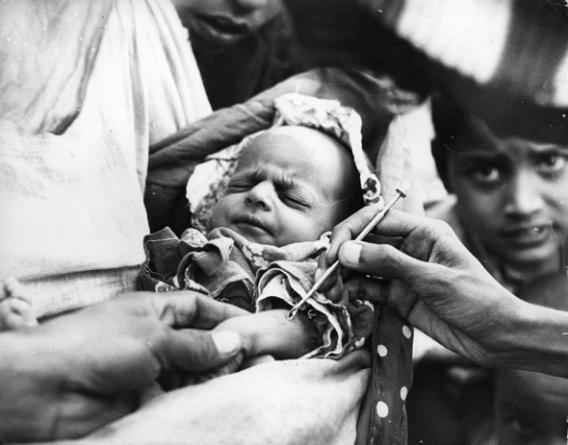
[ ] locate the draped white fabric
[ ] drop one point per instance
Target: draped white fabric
(85, 88)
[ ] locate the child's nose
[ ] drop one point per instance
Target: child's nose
(524, 197)
(260, 196)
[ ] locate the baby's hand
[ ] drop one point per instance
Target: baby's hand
(15, 310)
(271, 333)
(15, 313)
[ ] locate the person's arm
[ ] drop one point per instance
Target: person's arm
(435, 282)
(78, 372)
(271, 333)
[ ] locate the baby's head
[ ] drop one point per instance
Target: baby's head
(512, 192)
(292, 184)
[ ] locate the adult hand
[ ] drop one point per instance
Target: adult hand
(431, 279)
(78, 372)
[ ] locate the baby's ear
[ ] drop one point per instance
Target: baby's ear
(440, 154)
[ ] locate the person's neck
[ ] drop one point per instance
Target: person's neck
(534, 269)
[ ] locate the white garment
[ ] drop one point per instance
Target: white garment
(85, 88)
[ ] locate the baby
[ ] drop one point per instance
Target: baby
(292, 183)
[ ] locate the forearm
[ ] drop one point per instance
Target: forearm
(28, 389)
(534, 338)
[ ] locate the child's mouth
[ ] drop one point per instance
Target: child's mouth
(221, 28)
(529, 235)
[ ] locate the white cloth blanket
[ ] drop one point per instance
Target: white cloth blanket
(312, 402)
(85, 88)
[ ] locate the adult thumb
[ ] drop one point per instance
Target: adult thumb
(380, 260)
(195, 350)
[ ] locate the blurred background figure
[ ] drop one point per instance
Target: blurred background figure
(242, 47)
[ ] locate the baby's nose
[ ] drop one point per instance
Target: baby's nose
(260, 196)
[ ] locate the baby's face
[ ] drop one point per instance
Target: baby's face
(291, 184)
(512, 194)
(531, 408)
(224, 22)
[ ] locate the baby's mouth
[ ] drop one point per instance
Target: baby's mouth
(251, 223)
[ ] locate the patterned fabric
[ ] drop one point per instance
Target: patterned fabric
(382, 418)
(255, 277)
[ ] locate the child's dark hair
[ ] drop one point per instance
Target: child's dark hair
(449, 120)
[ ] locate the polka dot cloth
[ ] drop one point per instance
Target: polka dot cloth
(382, 419)
(382, 410)
(382, 351)
(403, 393)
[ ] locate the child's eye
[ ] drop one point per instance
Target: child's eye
(551, 164)
(485, 173)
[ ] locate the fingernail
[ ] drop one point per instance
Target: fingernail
(350, 252)
(318, 274)
(227, 342)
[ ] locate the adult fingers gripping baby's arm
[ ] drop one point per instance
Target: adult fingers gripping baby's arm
(271, 333)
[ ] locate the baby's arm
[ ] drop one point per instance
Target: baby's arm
(271, 333)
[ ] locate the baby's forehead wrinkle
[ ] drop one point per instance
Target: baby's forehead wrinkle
(283, 180)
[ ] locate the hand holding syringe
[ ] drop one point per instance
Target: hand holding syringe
(331, 270)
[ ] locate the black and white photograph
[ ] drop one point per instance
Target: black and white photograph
(284, 222)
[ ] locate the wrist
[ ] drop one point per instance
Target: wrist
(534, 338)
(29, 388)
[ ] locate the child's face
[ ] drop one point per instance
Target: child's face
(224, 22)
(531, 408)
(512, 194)
(291, 185)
